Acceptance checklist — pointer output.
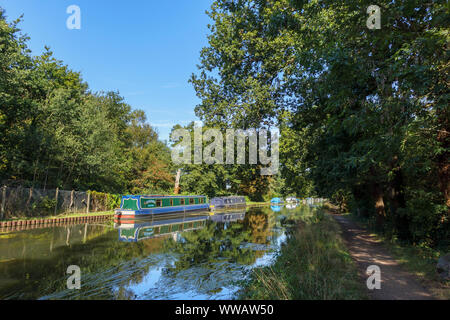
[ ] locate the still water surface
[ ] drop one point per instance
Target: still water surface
(193, 256)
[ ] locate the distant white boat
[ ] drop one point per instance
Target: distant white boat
(292, 200)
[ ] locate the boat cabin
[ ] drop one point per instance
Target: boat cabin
(224, 202)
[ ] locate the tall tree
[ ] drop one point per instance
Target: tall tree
(359, 98)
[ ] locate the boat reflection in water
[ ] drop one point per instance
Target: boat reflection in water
(232, 216)
(166, 225)
(275, 208)
(291, 206)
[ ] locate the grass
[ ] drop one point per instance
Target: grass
(419, 260)
(313, 264)
(256, 203)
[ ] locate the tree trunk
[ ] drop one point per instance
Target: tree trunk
(443, 163)
(398, 201)
(362, 199)
(377, 194)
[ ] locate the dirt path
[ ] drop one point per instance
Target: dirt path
(396, 283)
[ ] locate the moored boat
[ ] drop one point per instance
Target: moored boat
(292, 200)
(227, 202)
(276, 201)
(132, 207)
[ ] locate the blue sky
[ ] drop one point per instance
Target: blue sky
(145, 49)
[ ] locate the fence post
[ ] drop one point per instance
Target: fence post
(88, 201)
(2, 210)
(56, 198)
(29, 200)
(71, 201)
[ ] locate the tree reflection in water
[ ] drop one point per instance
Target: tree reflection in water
(203, 263)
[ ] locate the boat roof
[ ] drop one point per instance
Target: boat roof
(162, 196)
(228, 197)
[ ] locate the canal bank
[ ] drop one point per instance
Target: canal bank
(313, 264)
(44, 222)
(12, 224)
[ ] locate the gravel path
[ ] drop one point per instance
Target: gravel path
(396, 283)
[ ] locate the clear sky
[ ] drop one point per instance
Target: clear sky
(145, 49)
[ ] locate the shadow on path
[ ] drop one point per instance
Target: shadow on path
(396, 284)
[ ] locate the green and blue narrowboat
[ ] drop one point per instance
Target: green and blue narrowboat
(141, 206)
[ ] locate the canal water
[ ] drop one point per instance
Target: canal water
(192, 256)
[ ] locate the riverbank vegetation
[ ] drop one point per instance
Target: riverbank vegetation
(313, 264)
(363, 114)
(56, 132)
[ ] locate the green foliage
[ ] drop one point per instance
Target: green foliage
(363, 114)
(45, 205)
(114, 201)
(221, 179)
(57, 133)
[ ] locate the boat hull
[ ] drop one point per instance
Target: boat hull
(132, 214)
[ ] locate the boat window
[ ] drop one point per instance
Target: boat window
(158, 202)
(191, 200)
(181, 201)
(171, 202)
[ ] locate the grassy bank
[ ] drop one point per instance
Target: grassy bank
(313, 264)
(256, 204)
(418, 259)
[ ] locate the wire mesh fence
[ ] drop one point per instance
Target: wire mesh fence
(31, 202)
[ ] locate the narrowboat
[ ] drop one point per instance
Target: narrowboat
(227, 202)
(132, 207)
(164, 225)
(292, 200)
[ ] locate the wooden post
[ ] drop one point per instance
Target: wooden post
(2, 210)
(29, 198)
(56, 199)
(88, 201)
(177, 182)
(85, 232)
(71, 201)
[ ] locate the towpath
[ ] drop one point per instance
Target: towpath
(396, 283)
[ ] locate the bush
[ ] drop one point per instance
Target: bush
(45, 205)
